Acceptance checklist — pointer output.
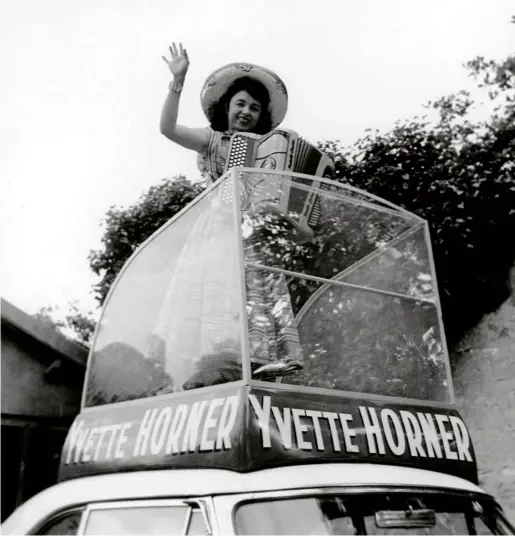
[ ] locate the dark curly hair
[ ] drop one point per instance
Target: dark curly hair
(218, 112)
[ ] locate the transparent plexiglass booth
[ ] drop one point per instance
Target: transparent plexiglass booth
(272, 277)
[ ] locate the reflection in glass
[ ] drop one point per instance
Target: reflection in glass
(174, 315)
(401, 265)
(354, 339)
(368, 342)
(292, 236)
(272, 332)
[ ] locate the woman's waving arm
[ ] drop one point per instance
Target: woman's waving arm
(195, 139)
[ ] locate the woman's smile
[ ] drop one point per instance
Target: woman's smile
(244, 112)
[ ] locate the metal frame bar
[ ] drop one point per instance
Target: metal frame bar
(240, 259)
(336, 393)
(336, 283)
(393, 209)
(168, 396)
(439, 314)
(379, 251)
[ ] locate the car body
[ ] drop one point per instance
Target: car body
(221, 492)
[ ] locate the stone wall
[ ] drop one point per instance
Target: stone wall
(484, 380)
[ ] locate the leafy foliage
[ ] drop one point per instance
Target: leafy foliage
(81, 324)
(75, 325)
(127, 228)
(458, 173)
(46, 315)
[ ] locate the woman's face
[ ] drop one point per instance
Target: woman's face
(244, 112)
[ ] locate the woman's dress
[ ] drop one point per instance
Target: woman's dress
(201, 316)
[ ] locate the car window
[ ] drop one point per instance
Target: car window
(66, 523)
(168, 519)
(377, 512)
(197, 525)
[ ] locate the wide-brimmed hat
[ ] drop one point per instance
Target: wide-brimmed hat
(218, 82)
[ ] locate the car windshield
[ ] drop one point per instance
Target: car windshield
(372, 513)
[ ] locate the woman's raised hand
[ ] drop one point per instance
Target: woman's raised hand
(179, 63)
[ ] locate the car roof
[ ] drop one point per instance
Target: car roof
(178, 483)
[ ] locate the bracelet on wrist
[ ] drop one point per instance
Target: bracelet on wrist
(175, 86)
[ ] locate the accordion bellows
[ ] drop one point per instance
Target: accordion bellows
(283, 150)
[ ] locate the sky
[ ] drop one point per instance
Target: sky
(83, 84)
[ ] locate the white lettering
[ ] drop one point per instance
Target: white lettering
(76, 431)
(263, 415)
(210, 422)
(348, 433)
(372, 430)
(227, 420)
(86, 456)
(114, 428)
(300, 429)
(331, 419)
(284, 425)
(160, 430)
(179, 419)
(446, 436)
(192, 426)
(397, 446)
(315, 415)
(413, 434)
(102, 432)
(145, 428)
(122, 438)
(462, 438)
(430, 435)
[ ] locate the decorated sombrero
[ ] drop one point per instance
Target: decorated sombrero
(218, 82)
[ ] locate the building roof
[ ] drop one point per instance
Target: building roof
(42, 333)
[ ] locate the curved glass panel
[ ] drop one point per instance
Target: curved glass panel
(343, 297)
(175, 311)
(339, 293)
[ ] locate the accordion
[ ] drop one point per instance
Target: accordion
(282, 150)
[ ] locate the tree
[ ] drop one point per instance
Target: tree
(82, 325)
(458, 173)
(47, 314)
(75, 325)
(127, 228)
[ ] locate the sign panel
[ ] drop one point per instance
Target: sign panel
(292, 427)
(154, 433)
(245, 429)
